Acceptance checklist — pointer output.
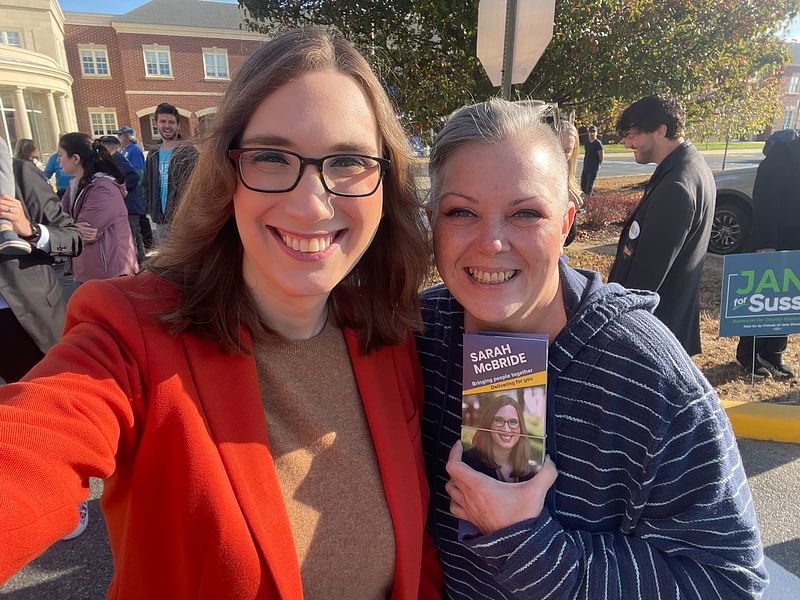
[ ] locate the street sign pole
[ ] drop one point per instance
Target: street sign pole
(508, 47)
(512, 35)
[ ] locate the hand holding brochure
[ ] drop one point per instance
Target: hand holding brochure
(504, 404)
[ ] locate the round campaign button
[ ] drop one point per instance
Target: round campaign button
(634, 231)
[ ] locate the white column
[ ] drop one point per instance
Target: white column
(55, 128)
(21, 115)
(63, 113)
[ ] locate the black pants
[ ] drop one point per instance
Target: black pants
(18, 352)
(587, 181)
(147, 232)
(138, 242)
(768, 348)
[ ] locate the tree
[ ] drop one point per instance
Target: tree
(604, 53)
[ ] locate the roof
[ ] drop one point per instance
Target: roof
(187, 13)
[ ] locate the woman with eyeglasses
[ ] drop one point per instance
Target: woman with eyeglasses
(498, 446)
(253, 401)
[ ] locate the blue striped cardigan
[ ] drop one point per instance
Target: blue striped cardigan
(651, 501)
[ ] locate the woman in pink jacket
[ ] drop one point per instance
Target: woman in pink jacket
(95, 199)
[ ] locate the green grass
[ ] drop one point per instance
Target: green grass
(616, 148)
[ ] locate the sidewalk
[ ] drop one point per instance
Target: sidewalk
(733, 150)
(782, 584)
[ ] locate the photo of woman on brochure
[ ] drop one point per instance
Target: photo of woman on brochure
(498, 441)
(498, 450)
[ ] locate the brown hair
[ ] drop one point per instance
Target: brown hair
(482, 441)
(24, 148)
(202, 256)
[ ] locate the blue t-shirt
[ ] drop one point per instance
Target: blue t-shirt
(164, 155)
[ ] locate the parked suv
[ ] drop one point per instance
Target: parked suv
(733, 217)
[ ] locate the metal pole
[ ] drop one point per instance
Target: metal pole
(725, 154)
(508, 47)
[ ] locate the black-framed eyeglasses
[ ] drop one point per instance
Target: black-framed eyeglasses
(500, 423)
(272, 170)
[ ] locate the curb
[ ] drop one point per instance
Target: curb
(764, 421)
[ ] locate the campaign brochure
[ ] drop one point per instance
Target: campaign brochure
(504, 404)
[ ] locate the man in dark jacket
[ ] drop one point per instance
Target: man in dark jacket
(776, 226)
(167, 168)
(32, 303)
(663, 244)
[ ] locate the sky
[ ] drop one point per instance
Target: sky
(794, 31)
(117, 7)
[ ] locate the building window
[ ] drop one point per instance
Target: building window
(94, 61)
(157, 61)
(10, 38)
(788, 117)
(153, 129)
(103, 122)
(794, 83)
(216, 63)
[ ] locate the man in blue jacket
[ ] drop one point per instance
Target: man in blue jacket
(131, 150)
(134, 200)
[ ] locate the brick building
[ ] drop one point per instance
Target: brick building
(791, 93)
(178, 51)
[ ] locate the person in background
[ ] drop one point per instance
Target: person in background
(776, 226)
(592, 159)
(253, 400)
(133, 152)
(95, 201)
(10, 243)
(167, 168)
(568, 135)
(62, 179)
(32, 304)
(663, 244)
(26, 150)
(650, 499)
(134, 199)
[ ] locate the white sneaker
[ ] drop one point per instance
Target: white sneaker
(83, 521)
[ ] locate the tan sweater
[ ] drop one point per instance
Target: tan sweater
(326, 467)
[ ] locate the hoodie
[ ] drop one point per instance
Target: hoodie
(651, 500)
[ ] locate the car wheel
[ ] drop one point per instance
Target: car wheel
(731, 228)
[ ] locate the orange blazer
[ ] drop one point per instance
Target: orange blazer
(178, 432)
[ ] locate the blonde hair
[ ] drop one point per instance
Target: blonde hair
(568, 129)
(492, 122)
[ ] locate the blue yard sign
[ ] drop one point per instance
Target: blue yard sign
(760, 294)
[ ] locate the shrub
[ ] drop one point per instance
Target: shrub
(609, 208)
